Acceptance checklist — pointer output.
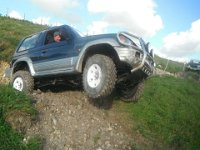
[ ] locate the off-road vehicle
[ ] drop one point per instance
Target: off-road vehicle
(101, 63)
(193, 65)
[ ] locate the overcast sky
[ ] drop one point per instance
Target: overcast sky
(172, 27)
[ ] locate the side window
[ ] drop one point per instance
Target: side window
(29, 42)
(50, 37)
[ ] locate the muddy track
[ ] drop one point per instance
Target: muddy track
(69, 120)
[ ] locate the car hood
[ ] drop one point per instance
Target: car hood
(100, 36)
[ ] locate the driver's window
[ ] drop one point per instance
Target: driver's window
(54, 36)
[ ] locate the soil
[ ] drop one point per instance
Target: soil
(3, 66)
(68, 120)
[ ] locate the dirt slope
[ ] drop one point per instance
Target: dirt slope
(3, 66)
(67, 120)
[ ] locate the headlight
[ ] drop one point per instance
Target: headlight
(124, 40)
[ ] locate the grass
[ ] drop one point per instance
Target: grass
(11, 139)
(195, 75)
(169, 111)
(10, 101)
(12, 31)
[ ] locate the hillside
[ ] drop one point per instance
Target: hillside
(12, 31)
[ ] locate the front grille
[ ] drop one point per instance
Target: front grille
(147, 69)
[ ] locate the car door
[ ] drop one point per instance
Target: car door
(55, 58)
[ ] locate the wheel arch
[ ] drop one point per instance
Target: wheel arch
(102, 48)
(23, 64)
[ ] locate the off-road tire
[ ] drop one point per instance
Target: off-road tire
(132, 93)
(101, 83)
(25, 81)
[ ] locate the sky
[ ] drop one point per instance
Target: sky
(172, 27)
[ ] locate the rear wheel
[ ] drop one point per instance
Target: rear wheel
(99, 76)
(23, 81)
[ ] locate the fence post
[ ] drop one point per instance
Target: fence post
(166, 65)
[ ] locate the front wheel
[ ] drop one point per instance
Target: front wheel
(22, 81)
(99, 76)
(131, 92)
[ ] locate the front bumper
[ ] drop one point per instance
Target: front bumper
(137, 59)
(146, 65)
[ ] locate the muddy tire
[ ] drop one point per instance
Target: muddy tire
(99, 76)
(23, 81)
(132, 93)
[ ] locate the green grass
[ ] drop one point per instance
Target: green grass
(12, 32)
(11, 139)
(195, 75)
(168, 112)
(10, 101)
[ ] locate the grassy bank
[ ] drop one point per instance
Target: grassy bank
(168, 112)
(12, 31)
(16, 104)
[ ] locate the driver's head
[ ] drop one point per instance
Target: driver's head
(57, 36)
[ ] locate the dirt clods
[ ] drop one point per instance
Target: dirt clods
(68, 120)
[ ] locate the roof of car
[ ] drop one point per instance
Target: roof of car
(56, 27)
